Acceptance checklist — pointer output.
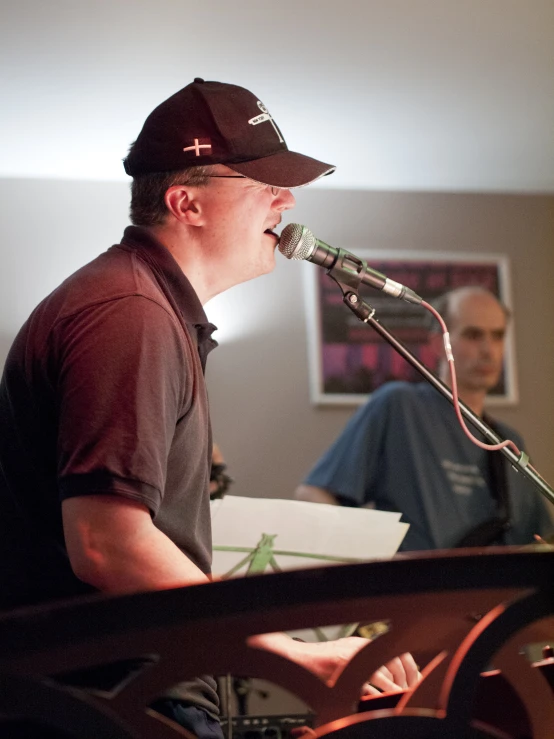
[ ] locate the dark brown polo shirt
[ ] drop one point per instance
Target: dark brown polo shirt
(103, 392)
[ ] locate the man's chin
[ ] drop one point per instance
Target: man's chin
(265, 266)
(270, 266)
(483, 385)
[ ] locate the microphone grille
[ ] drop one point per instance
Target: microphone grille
(296, 242)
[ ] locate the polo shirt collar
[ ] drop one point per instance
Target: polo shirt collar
(183, 293)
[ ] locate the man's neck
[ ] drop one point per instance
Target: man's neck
(474, 399)
(187, 255)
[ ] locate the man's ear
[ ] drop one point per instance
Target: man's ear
(182, 202)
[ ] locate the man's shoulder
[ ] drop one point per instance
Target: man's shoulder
(393, 399)
(115, 271)
(505, 430)
(114, 274)
(398, 393)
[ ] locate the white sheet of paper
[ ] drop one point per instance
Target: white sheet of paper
(341, 533)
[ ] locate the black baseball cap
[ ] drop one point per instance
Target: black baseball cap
(217, 123)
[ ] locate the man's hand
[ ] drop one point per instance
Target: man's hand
(328, 659)
(400, 673)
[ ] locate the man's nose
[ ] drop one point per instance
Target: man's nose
(285, 200)
(486, 346)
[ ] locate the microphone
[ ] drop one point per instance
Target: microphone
(298, 242)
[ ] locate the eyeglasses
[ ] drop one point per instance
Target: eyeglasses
(274, 190)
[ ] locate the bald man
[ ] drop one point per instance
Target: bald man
(405, 451)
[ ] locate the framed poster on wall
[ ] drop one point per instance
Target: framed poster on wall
(348, 360)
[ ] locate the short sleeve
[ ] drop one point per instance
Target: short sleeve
(121, 388)
(350, 466)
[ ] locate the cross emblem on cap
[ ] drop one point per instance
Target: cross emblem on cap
(197, 146)
(265, 116)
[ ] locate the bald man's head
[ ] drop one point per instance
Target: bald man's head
(476, 322)
(450, 303)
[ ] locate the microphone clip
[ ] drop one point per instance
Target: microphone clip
(349, 271)
(362, 310)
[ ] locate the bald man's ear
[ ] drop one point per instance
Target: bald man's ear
(183, 203)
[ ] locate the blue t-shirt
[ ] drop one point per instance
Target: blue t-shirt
(404, 451)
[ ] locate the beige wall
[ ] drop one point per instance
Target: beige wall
(263, 419)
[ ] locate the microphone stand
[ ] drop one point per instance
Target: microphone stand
(349, 282)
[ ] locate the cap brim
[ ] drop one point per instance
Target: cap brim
(283, 169)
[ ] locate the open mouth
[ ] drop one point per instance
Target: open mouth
(271, 232)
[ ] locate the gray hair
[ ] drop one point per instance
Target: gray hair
(148, 192)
